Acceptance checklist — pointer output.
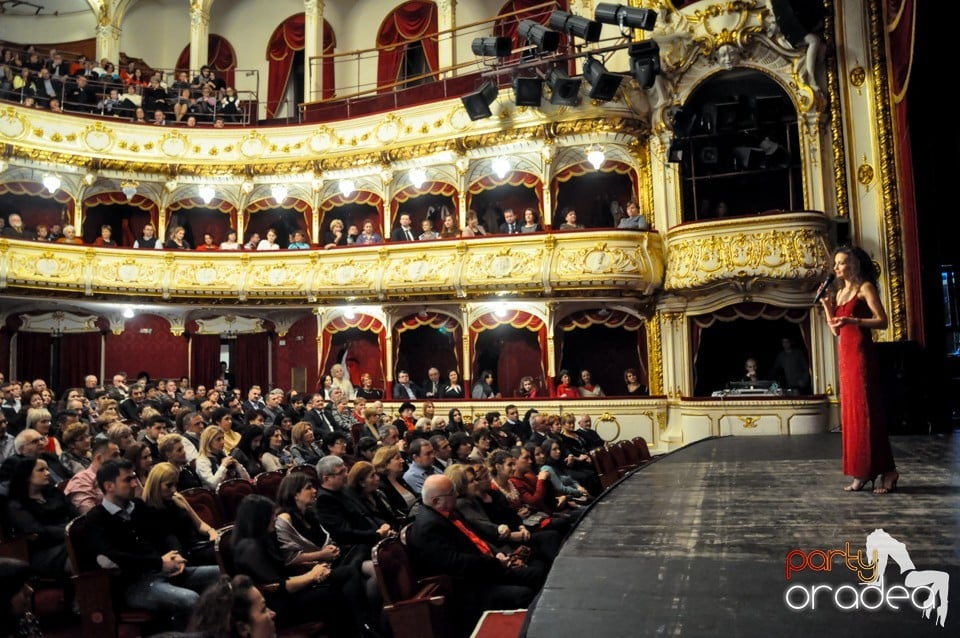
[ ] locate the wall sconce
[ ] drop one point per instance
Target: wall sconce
(500, 166)
(347, 187)
(51, 182)
(418, 176)
(279, 193)
(207, 193)
(596, 157)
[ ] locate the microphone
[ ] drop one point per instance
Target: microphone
(822, 290)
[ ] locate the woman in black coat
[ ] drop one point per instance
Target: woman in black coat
(37, 509)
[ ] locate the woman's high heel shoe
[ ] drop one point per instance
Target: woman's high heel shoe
(885, 487)
(858, 485)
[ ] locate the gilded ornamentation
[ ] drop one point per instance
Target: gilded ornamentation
(174, 144)
(48, 267)
(749, 422)
(98, 138)
(419, 269)
(13, 125)
(504, 264)
(598, 259)
(865, 174)
(654, 356)
(858, 76)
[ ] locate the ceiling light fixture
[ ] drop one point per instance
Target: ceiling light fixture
(417, 176)
(207, 193)
(500, 166)
(596, 157)
(129, 189)
(347, 187)
(279, 193)
(51, 182)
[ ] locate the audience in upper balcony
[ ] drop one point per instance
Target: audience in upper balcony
(404, 232)
(569, 216)
(633, 220)
(335, 236)
(231, 243)
(148, 239)
(106, 237)
(270, 243)
(176, 239)
(298, 242)
(369, 235)
(448, 227)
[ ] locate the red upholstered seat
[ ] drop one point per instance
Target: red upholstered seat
(267, 483)
(231, 492)
(415, 608)
(205, 503)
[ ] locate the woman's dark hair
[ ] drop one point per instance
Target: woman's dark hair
(290, 486)
(545, 447)
(365, 444)
(20, 479)
(133, 452)
(13, 576)
(457, 439)
(253, 518)
(865, 266)
(267, 436)
(484, 374)
(561, 373)
(222, 606)
(218, 414)
(246, 443)
(331, 439)
(452, 412)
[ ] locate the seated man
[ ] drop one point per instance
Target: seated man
(422, 453)
(633, 220)
(340, 514)
(114, 538)
(441, 543)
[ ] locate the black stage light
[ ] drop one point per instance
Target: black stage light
(603, 84)
(492, 47)
(545, 40)
(478, 103)
(645, 62)
(563, 88)
(625, 16)
(676, 152)
(527, 91)
(583, 28)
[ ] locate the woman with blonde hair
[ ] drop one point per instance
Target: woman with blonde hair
(213, 465)
(39, 419)
(335, 236)
(121, 434)
(341, 379)
(172, 522)
(390, 465)
(304, 449)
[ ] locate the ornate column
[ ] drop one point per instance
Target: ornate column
(446, 20)
(108, 42)
(463, 164)
(466, 373)
(313, 49)
(199, 33)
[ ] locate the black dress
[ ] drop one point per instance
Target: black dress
(45, 523)
(172, 528)
(373, 394)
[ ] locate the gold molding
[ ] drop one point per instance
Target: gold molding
(655, 355)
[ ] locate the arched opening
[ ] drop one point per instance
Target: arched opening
(433, 201)
(357, 343)
(197, 217)
(511, 346)
(407, 43)
(126, 217)
(606, 343)
(427, 340)
(35, 205)
(738, 145)
(289, 216)
(598, 196)
(221, 58)
(286, 57)
(360, 207)
(490, 196)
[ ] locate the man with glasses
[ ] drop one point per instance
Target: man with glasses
(341, 515)
(26, 445)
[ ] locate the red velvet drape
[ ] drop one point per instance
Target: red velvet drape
(507, 26)
(204, 359)
(365, 344)
(524, 361)
(414, 20)
(33, 355)
(79, 356)
(251, 360)
(220, 57)
(422, 341)
(287, 39)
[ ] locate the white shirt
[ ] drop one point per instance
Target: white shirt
(265, 244)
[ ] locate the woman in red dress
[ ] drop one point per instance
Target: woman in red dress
(856, 311)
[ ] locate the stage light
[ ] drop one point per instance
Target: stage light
(625, 16)
(51, 182)
(527, 91)
(347, 187)
(500, 166)
(603, 84)
(563, 88)
(478, 103)
(676, 152)
(207, 193)
(492, 47)
(279, 193)
(545, 40)
(417, 176)
(583, 28)
(645, 62)
(596, 157)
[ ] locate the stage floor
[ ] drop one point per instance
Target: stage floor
(696, 544)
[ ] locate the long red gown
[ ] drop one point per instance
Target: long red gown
(866, 448)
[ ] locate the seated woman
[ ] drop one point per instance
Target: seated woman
(473, 227)
(549, 458)
(233, 608)
(565, 388)
(106, 238)
(366, 389)
(304, 449)
(483, 443)
(270, 243)
(455, 422)
(588, 389)
(453, 389)
(341, 379)
(301, 598)
(530, 222)
(501, 467)
(141, 456)
(39, 511)
(368, 236)
(249, 451)
(461, 445)
(631, 381)
(574, 453)
(448, 228)
(173, 524)
(16, 595)
(528, 390)
(273, 455)
(176, 239)
(363, 483)
(389, 464)
(483, 389)
(335, 236)
(76, 438)
(231, 243)
(213, 466)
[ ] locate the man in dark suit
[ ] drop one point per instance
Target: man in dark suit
(432, 387)
(441, 543)
(404, 232)
(339, 513)
(404, 389)
(114, 538)
(316, 415)
(591, 440)
(510, 225)
(514, 426)
(130, 407)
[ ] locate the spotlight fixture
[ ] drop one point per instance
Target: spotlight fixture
(500, 166)
(527, 91)
(596, 157)
(129, 189)
(347, 187)
(603, 84)
(478, 103)
(625, 17)
(279, 193)
(583, 28)
(543, 38)
(492, 47)
(676, 152)
(51, 182)
(417, 176)
(645, 62)
(563, 88)
(207, 193)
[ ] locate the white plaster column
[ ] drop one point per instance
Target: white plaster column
(108, 42)
(313, 49)
(446, 20)
(199, 33)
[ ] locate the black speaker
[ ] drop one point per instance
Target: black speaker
(797, 18)
(478, 103)
(527, 91)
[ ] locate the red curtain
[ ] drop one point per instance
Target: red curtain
(515, 11)
(520, 320)
(220, 57)
(79, 356)
(605, 357)
(287, 39)
(204, 359)
(433, 339)
(363, 354)
(251, 360)
(415, 20)
(33, 355)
